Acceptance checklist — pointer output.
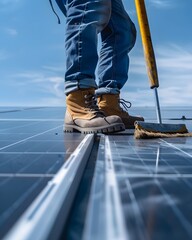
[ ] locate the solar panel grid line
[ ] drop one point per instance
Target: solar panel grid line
(141, 159)
(29, 164)
(129, 152)
(24, 125)
(183, 221)
(33, 153)
(17, 203)
(25, 139)
(159, 154)
(187, 159)
(177, 148)
(12, 207)
(39, 218)
(169, 178)
(28, 175)
(8, 161)
(46, 140)
(139, 220)
(153, 175)
(52, 147)
(142, 234)
(178, 174)
(158, 160)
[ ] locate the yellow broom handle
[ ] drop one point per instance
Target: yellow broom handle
(147, 43)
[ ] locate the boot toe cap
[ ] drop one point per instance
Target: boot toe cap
(113, 119)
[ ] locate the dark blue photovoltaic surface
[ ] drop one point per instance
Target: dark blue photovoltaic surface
(154, 177)
(33, 147)
(155, 182)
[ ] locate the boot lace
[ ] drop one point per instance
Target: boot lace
(91, 104)
(125, 105)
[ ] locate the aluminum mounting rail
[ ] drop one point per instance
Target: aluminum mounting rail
(105, 218)
(40, 220)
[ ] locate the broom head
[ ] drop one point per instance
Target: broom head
(156, 130)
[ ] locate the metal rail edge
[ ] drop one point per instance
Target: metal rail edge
(105, 218)
(38, 220)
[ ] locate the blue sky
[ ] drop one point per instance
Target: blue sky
(32, 54)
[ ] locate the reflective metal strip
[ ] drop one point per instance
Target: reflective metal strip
(38, 220)
(105, 219)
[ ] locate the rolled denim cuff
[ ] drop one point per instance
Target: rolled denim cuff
(74, 85)
(103, 90)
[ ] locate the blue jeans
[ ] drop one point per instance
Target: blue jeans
(85, 20)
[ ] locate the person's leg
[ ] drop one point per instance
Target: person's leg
(85, 19)
(118, 38)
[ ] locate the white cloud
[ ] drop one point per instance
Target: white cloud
(175, 58)
(11, 31)
(175, 75)
(56, 86)
(139, 97)
(9, 5)
(50, 88)
(161, 3)
(176, 96)
(60, 68)
(137, 65)
(174, 65)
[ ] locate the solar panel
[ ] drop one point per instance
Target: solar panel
(32, 151)
(154, 182)
(139, 189)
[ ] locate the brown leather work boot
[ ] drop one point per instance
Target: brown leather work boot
(83, 114)
(110, 105)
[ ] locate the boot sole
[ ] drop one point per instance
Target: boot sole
(113, 128)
